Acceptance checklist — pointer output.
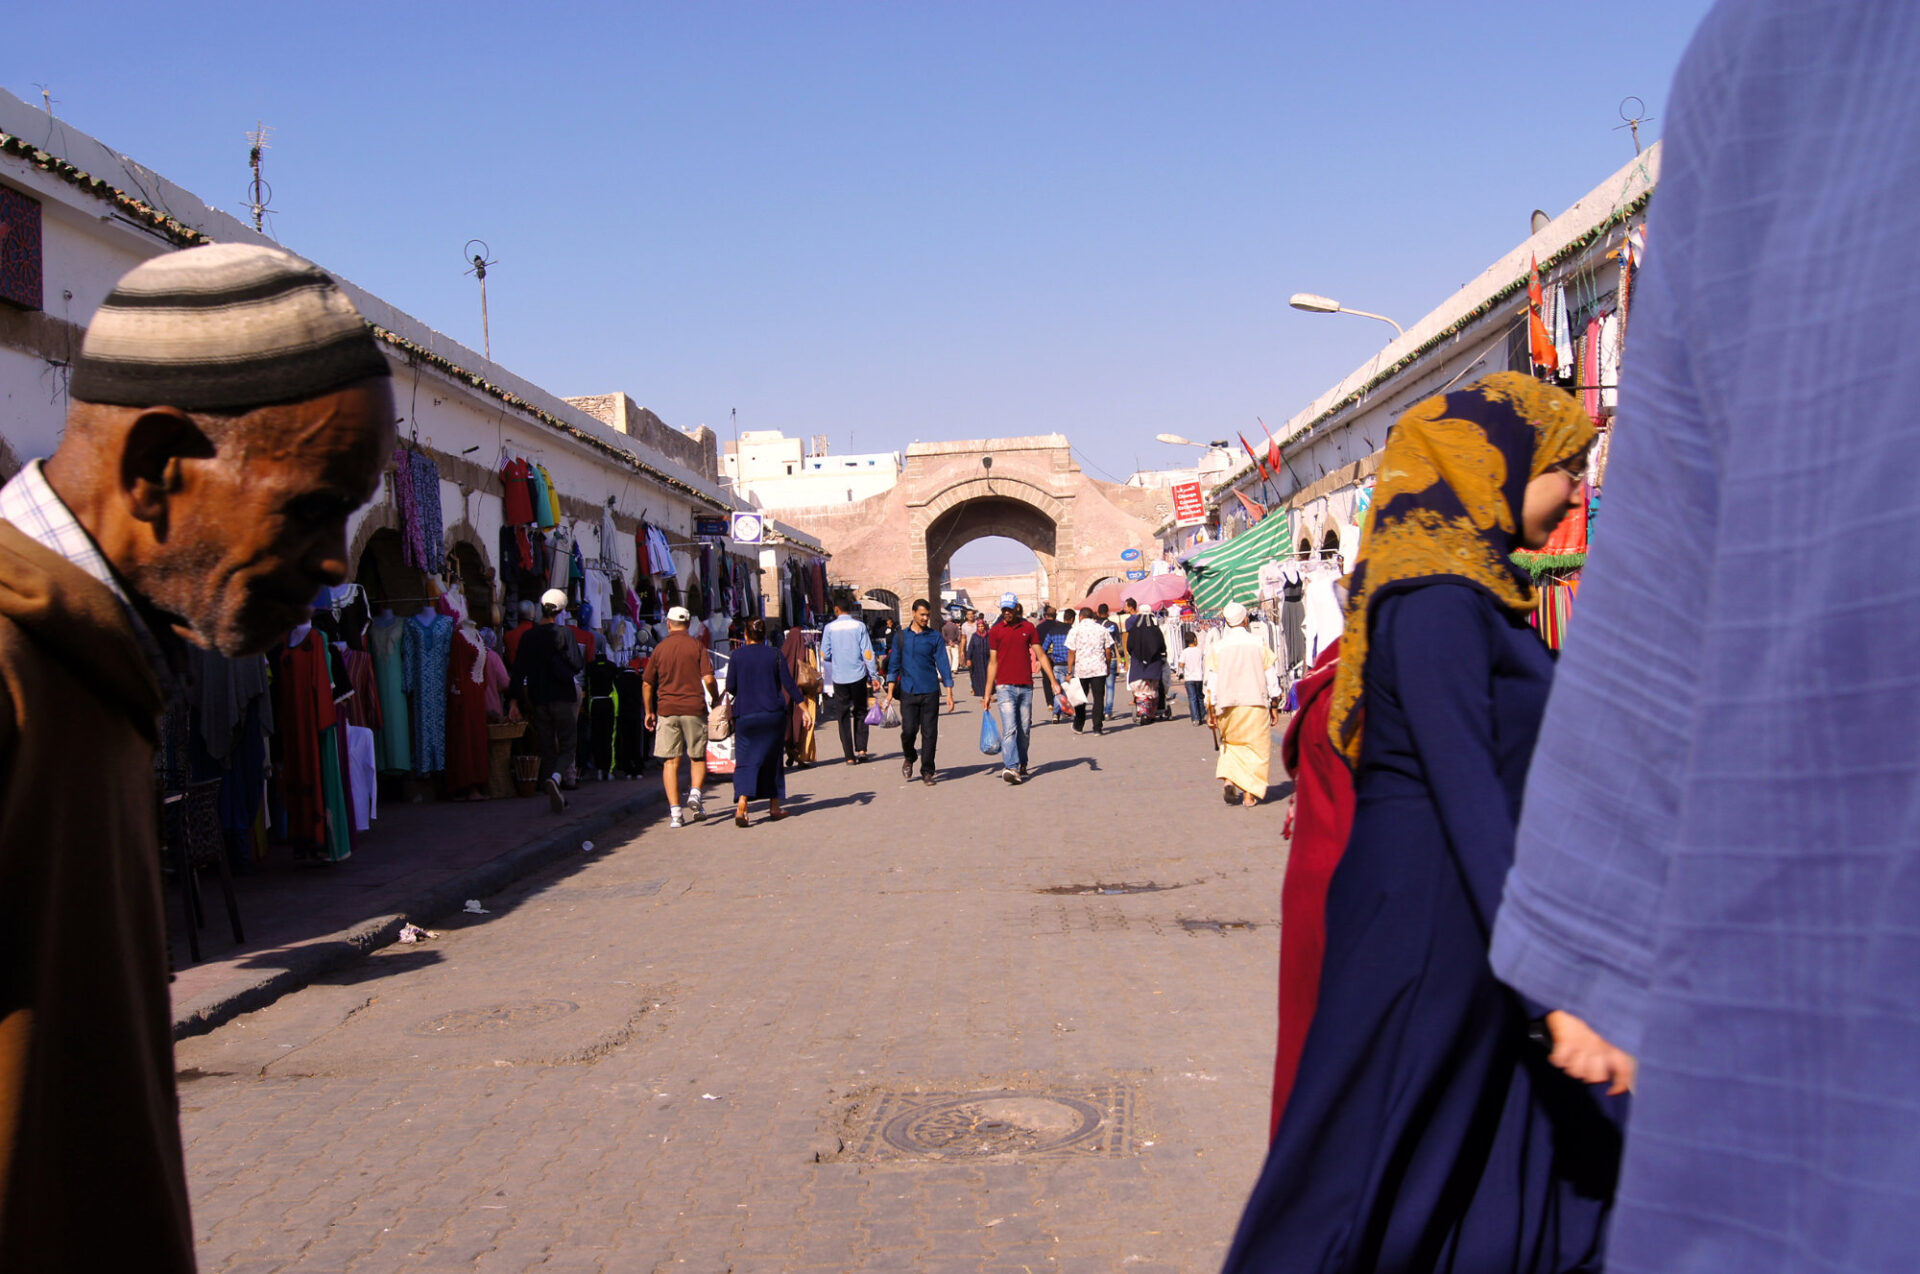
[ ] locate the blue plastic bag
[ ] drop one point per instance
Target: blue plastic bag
(990, 731)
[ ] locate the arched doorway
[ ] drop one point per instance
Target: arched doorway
(474, 579)
(998, 520)
(1103, 580)
(383, 572)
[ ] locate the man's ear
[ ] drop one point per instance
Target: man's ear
(158, 442)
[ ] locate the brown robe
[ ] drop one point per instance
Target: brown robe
(91, 1174)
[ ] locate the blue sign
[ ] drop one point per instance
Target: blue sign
(1130, 555)
(1136, 574)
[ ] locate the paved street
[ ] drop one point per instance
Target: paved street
(904, 1030)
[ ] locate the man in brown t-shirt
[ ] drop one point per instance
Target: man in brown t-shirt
(677, 686)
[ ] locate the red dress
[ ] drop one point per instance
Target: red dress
(302, 712)
(515, 493)
(467, 763)
(1322, 819)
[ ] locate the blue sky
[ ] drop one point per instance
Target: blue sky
(889, 222)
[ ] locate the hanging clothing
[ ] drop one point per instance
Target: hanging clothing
(406, 501)
(630, 718)
(601, 676)
(426, 495)
(363, 777)
(425, 651)
(544, 512)
(385, 636)
(303, 710)
(467, 762)
(516, 492)
(495, 684)
(363, 708)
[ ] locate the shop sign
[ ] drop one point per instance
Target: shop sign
(714, 527)
(747, 528)
(1136, 574)
(1130, 555)
(1189, 506)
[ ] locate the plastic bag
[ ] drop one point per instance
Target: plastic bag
(1076, 693)
(990, 732)
(891, 717)
(876, 715)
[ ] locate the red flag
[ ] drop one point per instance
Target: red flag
(1274, 460)
(1254, 456)
(1255, 510)
(1539, 339)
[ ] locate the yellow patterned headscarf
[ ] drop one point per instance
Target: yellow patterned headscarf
(1446, 506)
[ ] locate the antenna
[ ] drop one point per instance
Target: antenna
(478, 269)
(1634, 120)
(259, 193)
(46, 98)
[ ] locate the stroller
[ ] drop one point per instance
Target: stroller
(1146, 700)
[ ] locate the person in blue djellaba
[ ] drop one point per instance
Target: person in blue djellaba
(1428, 1128)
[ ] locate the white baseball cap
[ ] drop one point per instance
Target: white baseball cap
(678, 615)
(554, 598)
(1009, 602)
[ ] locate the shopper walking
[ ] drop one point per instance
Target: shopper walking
(849, 674)
(228, 412)
(1146, 660)
(1089, 647)
(1052, 631)
(953, 639)
(1113, 665)
(1193, 671)
(1013, 656)
(544, 676)
(978, 653)
(1244, 702)
(763, 693)
(679, 686)
(917, 670)
(1425, 1129)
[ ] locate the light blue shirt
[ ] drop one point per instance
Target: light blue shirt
(846, 652)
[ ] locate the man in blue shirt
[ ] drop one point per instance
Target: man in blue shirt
(848, 673)
(917, 669)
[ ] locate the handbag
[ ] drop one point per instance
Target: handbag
(808, 678)
(720, 719)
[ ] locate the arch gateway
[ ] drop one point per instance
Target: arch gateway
(1028, 489)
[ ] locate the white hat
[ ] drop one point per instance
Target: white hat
(678, 615)
(1234, 613)
(554, 599)
(1009, 602)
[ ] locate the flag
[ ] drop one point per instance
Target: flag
(1539, 339)
(1255, 510)
(1254, 456)
(1274, 459)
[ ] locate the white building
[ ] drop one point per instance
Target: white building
(772, 471)
(74, 229)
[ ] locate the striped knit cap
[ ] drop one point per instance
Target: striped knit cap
(225, 327)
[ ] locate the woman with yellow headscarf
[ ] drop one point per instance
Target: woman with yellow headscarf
(1425, 1129)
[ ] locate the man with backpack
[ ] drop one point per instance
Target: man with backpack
(544, 668)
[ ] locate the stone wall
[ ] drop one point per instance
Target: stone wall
(693, 448)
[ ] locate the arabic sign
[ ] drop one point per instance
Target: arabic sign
(1130, 555)
(1189, 506)
(1136, 574)
(710, 526)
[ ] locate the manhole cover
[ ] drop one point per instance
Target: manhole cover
(495, 1018)
(1149, 887)
(1008, 1122)
(1221, 927)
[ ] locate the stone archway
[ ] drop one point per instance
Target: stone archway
(979, 515)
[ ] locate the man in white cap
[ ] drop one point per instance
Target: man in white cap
(1244, 703)
(229, 410)
(678, 685)
(544, 669)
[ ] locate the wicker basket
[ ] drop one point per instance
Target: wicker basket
(526, 773)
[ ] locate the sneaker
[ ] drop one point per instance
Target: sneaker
(674, 817)
(1009, 776)
(555, 801)
(696, 808)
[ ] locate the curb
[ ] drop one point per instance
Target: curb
(342, 947)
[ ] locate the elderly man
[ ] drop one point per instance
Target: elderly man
(230, 409)
(1243, 699)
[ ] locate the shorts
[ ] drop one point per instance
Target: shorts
(681, 736)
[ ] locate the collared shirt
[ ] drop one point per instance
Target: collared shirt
(1089, 643)
(919, 662)
(31, 504)
(846, 652)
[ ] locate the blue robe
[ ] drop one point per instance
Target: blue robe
(763, 691)
(1426, 1130)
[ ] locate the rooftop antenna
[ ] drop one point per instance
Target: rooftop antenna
(259, 193)
(1634, 119)
(480, 260)
(46, 98)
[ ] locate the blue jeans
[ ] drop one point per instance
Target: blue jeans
(1196, 702)
(1059, 679)
(1113, 680)
(1015, 706)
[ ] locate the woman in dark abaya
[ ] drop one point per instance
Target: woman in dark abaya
(1426, 1130)
(978, 654)
(763, 693)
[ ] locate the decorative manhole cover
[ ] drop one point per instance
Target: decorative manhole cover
(496, 1018)
(1147, 887)
(1008, 1122)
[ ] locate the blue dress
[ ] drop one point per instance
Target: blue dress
(762, 691)
(1426, 1130)
(425, 651)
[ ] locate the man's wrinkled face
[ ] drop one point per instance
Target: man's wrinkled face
(255, 531)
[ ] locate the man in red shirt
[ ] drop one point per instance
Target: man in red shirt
(1013, 652)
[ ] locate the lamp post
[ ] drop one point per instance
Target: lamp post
(1314, 304)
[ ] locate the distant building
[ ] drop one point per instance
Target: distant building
(772, 471)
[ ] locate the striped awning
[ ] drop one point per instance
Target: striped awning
(1231, 571)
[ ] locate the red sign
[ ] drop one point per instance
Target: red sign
(1189, 506)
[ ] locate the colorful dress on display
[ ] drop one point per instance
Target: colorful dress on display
(303, 711)
(466, 708)
(425, 652)
(385, 637)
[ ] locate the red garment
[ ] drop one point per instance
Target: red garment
(496, 681)
(1539, 339)
(302, 712)
(363, 709)
(587, 643)
(467, 763)
(1321, 821)
(512, 641)
(517, 494)
(1013, 643)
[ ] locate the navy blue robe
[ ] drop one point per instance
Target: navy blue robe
(1426, 1130)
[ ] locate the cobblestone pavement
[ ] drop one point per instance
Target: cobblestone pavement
(891, 1033)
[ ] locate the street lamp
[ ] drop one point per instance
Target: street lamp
(1175, 440)
(1313, 304)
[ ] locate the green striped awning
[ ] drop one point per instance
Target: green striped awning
(1231, 572)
